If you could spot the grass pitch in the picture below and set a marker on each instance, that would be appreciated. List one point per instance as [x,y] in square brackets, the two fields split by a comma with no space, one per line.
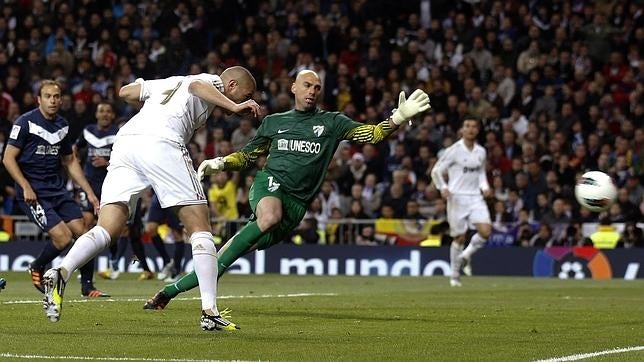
[289,318]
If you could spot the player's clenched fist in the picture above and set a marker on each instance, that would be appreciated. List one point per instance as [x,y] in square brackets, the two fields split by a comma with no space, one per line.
[208,167]
[417,103]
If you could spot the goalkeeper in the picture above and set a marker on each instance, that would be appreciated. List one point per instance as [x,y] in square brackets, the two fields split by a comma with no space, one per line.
[301,143]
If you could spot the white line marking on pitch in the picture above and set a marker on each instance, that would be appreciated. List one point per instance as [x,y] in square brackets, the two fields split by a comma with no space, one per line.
[86,300]
[29,356]
[577,357]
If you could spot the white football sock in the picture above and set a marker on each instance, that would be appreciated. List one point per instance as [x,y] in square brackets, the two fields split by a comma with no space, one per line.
[88,246]
[454,251]
[476,243]
[204,255]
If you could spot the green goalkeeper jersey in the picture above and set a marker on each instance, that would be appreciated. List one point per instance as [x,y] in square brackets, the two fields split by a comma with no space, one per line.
[300,145]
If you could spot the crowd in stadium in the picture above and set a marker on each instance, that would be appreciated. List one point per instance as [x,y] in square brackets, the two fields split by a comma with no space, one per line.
[558,86]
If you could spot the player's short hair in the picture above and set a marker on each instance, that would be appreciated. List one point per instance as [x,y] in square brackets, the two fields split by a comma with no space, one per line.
[48,82]
[469,117]
[107,103]
[240,74]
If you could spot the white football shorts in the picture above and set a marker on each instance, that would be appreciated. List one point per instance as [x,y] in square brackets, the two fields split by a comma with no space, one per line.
[138,161]
[463,211]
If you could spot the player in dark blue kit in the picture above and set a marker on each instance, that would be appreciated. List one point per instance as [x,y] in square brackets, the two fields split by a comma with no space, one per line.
[37,156]
[95,143]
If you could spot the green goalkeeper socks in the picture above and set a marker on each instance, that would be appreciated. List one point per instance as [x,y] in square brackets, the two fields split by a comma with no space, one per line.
[236,247]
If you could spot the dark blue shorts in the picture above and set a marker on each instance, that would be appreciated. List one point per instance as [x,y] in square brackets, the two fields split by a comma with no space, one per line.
[159,215]
[57,208]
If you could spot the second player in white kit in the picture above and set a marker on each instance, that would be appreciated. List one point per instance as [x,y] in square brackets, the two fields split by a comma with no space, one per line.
[464,164]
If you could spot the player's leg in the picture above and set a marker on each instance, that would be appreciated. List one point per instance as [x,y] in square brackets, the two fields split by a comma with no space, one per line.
[46,218]
[455,249]
[157,216]
[61,237]
[119,248]
[179,249]
[293,212]
[88,246]
[226,255]
[268,210]
[87,270]
[112,271]
[479,215]
[477,241]
[151,228]
[132,235]
[139,252]
[121,190]
[110,224]
[457,229]
[71,214]
[204,254]
[173,268]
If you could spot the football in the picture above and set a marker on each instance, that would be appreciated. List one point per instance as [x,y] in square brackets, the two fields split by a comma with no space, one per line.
[595,191]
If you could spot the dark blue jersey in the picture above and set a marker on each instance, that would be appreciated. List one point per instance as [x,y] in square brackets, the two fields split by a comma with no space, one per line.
[98,143]
[43,143]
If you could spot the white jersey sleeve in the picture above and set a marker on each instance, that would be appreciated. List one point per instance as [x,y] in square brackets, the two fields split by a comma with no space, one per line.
[484,185]
[440,167]
[170,111]
[465,170]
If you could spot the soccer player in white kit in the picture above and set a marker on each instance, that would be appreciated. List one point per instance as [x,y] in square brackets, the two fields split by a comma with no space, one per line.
[464,163]
[150,151]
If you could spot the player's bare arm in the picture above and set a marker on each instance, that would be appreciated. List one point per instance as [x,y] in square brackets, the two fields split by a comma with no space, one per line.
[209,93]
[10,161]
[73,167]
[131,93]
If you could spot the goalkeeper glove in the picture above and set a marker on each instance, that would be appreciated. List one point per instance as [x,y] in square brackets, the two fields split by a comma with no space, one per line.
[208,167]
[417,103]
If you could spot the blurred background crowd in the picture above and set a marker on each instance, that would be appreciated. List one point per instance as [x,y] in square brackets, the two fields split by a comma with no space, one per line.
[557,84]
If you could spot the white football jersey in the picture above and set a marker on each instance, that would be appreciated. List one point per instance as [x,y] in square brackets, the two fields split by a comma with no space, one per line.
[465,170]
[170,111]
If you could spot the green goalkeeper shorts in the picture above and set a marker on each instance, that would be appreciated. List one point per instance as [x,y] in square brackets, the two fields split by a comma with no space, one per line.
[293,210]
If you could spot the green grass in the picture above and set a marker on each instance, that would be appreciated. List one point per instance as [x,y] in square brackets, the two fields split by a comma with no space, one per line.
[347,318]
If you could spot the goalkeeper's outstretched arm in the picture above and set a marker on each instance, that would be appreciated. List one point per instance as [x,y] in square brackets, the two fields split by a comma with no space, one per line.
[369,133]
[241,159]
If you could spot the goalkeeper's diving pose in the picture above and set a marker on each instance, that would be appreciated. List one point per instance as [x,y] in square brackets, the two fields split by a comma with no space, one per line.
[300,144]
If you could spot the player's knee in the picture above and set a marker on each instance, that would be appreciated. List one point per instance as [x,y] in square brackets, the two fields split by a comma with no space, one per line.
[268,220]
[61,237]
[101,236]
[202,243]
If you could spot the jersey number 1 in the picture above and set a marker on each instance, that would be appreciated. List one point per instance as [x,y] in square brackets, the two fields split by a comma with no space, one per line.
[272,185]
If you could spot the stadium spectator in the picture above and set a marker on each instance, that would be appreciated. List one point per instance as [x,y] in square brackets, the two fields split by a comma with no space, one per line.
[606,236]
[631,237]
[586,61]
[543,238]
